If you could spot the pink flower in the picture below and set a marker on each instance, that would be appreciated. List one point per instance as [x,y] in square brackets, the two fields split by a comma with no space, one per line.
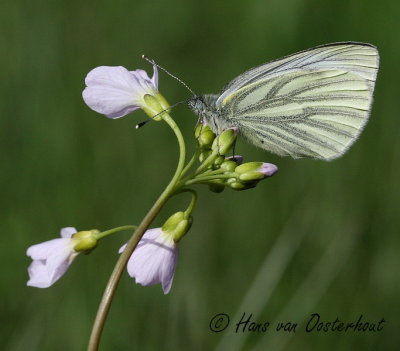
[154,259]
[51,259]
[115,92]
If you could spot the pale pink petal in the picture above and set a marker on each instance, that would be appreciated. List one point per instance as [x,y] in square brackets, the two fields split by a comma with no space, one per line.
[145,263]
[51,259]
[122,248]
[39,277]
[57,264]
[168,270]
[67,232]
[154,79]
[111,91]
[43,250]
[268,169]
[150,234]
[109,101]
[114,76]
[115,92]
[154,260]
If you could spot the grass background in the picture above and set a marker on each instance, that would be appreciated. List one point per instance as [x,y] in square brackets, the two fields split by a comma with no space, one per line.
[318,237]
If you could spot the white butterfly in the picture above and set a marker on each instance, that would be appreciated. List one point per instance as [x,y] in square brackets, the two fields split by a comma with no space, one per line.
[314,103]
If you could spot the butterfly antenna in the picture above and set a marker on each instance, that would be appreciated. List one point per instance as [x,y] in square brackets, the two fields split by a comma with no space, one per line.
[141,124]
[170,74]
[233,150]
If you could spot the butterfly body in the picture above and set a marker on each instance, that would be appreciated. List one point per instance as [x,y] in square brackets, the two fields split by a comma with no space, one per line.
[204,106]
[311,104]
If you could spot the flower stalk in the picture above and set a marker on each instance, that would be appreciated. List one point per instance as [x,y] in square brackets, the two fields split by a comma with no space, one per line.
[115,277]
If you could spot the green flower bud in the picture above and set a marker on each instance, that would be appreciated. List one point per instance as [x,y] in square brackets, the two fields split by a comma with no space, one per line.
[242,186]
[252,175]
[228,165]
[85,241]
[253,171]
[204,135]
[237,185]
[204,155]
[154,105]
[225,140]
[177,225]
[218,161]
[247,167]
[218,186]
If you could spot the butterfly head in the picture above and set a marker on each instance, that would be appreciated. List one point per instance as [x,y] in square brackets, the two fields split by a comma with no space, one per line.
[197,105]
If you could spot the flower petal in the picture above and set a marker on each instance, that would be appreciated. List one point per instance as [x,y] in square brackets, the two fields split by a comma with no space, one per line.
[112,91]
[58,264]
[43,250]
[122,248]
[168,270]
[154,79]
[154,260]
[144,263]
[268,169]
[67,232]
[39,277]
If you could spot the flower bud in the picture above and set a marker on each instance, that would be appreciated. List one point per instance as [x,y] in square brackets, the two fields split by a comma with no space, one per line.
[217,187]
[204,155]
[218,161]
[154,105]
[204,135]
[177,225]
[251,171]
[228,165]
[85,241]
[242,186]
[237,185]
[225,140]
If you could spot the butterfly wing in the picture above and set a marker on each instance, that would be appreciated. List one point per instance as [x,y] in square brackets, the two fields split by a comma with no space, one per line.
[310,104]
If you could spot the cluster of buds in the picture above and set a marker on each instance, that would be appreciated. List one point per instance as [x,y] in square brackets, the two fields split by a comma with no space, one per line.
[232,171]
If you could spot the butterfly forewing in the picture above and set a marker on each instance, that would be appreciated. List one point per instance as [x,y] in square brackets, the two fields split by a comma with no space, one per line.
[311,104]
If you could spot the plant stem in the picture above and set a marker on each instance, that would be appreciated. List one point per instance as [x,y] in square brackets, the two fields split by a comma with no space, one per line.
[114,230]
[112,284]
[207,162]
[190,163]
[193,201]
[207,178]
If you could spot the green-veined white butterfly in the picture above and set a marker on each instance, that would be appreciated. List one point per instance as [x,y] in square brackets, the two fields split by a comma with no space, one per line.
[314,103]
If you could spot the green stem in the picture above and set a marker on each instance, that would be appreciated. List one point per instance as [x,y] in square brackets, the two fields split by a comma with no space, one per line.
[207,162]
[211,172]
[190,163]
[112,284]
[204,179]
[193,201]
[114,230]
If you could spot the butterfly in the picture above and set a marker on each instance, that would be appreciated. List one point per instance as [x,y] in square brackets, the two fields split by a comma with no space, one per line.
[314,103]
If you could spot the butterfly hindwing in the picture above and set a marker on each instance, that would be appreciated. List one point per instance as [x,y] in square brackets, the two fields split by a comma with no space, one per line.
[310,104]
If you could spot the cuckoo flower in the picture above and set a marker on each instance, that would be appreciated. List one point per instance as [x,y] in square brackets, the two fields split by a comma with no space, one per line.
[154,259]
[52,258]
[115,91]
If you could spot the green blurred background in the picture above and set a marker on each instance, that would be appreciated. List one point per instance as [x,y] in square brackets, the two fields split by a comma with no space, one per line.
[318,237]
